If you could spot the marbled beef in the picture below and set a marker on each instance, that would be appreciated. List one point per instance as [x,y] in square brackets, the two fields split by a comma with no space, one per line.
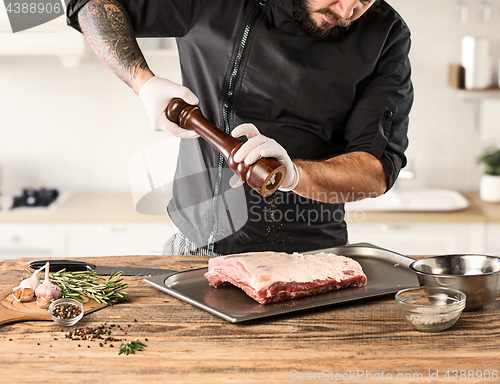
[269,277]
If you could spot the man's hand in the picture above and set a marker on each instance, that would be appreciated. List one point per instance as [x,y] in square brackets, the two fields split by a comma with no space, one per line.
[156,94]
[259,146]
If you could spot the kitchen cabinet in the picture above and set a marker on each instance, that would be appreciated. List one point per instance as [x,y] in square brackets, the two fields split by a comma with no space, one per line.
[56,38]
[104,224]
[65,240]
[107,239]
[26,240]
[53,38]
[421,238]
[83,224]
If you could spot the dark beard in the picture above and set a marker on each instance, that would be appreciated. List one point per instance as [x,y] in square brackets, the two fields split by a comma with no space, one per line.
[303,18]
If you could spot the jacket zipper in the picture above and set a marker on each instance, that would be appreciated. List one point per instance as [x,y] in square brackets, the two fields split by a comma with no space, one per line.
[227,127]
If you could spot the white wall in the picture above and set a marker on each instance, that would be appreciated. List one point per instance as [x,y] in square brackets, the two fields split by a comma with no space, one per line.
[73,129]
[77,129]
[443,139]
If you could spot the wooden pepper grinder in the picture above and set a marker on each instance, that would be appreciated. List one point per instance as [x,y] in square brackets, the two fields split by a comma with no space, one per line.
[265,175]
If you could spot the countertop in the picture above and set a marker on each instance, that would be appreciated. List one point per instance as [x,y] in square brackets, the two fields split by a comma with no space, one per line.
[358,342]
[477,211]
[84,207]
[119,207]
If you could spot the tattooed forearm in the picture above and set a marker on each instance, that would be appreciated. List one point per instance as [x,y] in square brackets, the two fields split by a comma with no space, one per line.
[107,28]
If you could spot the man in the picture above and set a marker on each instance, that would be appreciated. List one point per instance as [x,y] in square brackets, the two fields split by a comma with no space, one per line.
[323,82]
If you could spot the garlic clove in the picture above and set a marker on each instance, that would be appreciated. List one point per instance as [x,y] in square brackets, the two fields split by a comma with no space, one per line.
[23,294]
[42,302]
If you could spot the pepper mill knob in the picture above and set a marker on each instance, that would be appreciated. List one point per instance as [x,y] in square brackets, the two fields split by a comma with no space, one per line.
[265,175]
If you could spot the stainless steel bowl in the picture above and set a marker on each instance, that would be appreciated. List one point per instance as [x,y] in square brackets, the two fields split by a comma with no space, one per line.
[478,276]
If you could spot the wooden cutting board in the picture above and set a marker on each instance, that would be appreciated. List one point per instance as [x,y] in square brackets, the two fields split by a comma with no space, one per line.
[12,311]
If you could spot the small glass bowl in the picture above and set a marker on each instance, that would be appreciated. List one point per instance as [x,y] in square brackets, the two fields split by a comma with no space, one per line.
[430,309]
[57,311]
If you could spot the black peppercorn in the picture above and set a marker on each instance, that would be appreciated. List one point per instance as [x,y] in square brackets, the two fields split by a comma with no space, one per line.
[67,311]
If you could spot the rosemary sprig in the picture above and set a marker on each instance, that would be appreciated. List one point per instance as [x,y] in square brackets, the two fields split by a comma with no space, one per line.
[89,284]
[127,347]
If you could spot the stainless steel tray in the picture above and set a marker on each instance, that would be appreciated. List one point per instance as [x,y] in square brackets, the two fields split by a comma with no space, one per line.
[387,272]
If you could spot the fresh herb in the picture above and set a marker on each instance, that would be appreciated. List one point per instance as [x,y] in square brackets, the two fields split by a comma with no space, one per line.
[88,284]
[491,159]
[127,347]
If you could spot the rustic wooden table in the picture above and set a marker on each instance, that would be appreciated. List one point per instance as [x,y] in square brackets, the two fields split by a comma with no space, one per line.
[359,342]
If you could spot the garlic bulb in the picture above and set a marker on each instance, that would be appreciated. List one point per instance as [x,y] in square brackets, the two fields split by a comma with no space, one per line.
[47,290]
[26,288]
[33,281]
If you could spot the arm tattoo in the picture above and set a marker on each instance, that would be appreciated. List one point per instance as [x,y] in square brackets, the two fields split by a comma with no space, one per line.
[108,30]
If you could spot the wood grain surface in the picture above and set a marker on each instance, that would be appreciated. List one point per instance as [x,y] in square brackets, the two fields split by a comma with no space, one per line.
[361,342]
[12,311]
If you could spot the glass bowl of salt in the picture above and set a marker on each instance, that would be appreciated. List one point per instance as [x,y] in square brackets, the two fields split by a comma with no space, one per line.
[430,309]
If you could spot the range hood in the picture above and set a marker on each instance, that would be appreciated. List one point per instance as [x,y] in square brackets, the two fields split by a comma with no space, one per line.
[53,38]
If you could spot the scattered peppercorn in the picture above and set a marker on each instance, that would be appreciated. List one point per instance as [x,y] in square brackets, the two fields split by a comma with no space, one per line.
[101,333]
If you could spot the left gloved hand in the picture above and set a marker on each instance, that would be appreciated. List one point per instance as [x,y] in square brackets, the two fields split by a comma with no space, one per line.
[259,146]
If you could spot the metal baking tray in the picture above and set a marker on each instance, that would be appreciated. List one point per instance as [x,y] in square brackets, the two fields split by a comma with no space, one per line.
[387,272]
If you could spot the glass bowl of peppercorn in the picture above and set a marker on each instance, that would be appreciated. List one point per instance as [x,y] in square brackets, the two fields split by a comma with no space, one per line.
[66,312]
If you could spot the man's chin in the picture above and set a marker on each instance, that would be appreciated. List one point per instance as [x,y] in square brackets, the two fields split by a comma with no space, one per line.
[325,31]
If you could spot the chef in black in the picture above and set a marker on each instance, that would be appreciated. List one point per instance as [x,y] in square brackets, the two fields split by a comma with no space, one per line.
[322,85]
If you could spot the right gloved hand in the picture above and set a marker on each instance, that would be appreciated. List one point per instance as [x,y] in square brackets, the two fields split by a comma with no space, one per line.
[156,94]
[258,146]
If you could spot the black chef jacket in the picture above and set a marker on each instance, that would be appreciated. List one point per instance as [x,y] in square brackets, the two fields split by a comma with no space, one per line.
[248,62]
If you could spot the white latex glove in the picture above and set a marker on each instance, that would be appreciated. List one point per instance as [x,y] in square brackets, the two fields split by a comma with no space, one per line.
[259,146]
[156,94]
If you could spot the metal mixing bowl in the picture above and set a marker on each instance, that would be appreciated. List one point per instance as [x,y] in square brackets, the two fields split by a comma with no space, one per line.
[478,276]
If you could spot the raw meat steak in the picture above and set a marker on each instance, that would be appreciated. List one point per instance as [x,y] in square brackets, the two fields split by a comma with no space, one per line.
[269,277]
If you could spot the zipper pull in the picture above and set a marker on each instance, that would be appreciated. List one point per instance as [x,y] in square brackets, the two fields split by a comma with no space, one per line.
[211,243]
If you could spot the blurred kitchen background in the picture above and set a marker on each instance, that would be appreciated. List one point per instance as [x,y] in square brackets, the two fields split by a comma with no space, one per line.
[68,123]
